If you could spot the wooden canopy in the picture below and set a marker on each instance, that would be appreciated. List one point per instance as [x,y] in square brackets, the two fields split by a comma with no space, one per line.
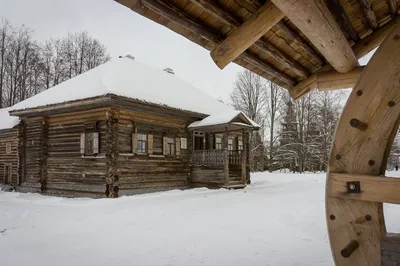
[298,44]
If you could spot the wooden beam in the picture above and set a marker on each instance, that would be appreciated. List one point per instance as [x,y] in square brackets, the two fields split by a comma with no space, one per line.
[317,23]
[373,188]
[247,34]
[336,8]
[292,35]
[300,42]
[369,43]
[393,7]
[184,20]
[327,80]
[369,13]
[362,48]
[212,8]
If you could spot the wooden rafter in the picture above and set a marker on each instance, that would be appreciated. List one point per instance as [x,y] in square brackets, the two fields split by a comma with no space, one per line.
[314,19]
[263,45]
[246,35]
[369,43]
[300,42]
[393,7]
[369,13]
[336,8]
[184,20]
[327,80]
[290,34]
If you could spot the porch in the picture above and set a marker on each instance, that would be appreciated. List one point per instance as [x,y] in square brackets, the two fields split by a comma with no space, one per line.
[224,167]
[220,150]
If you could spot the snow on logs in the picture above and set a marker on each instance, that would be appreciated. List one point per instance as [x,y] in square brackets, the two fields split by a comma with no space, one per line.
[314,19]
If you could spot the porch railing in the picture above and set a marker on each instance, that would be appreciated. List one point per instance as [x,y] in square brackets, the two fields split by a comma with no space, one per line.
[234,157]
[205,157]
[215,157]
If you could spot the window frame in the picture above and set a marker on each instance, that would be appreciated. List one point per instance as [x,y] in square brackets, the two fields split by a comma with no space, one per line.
[142,142]
[8,147]
[218,145]
[171,149]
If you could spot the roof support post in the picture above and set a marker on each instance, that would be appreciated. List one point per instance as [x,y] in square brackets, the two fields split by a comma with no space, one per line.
[226,156]
[313,18]
[243,157]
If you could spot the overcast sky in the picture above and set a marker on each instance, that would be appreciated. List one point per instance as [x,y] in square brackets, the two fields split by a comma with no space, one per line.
[123,32]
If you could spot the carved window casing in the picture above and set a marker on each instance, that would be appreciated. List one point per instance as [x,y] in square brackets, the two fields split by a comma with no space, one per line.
[8,147]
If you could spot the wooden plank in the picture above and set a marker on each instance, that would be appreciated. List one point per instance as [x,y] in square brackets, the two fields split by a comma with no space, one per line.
[393,7]
[369,13]
[369,43]
[390,249]
[373,188]
[184,20]
[263,45]
[336,8]
[247,34]
[363,152]
[317,23]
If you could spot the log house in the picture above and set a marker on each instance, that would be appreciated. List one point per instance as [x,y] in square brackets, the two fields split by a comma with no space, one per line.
[105,134]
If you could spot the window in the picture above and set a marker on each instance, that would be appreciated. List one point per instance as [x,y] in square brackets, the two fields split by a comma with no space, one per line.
[8,147]
[240,144]
[90,143]
[218,143]
[230,144]
[171,146]
[141,143]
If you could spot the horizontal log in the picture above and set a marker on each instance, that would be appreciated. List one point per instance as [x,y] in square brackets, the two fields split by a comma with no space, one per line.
[172,13]
[369,43]
[317,23]
[373,188]
[328,80]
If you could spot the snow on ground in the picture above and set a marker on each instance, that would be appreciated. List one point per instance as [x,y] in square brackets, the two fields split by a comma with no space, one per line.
[278,220]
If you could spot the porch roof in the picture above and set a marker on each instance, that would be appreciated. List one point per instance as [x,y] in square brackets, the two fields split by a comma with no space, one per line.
[231,119]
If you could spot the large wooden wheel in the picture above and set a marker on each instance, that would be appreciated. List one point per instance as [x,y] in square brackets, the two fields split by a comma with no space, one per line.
[356,185]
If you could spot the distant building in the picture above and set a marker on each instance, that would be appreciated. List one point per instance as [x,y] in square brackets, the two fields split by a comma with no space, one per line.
[123,128]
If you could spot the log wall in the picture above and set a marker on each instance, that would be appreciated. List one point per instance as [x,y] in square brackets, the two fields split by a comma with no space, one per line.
[150,172]
[9,136]
[209,176]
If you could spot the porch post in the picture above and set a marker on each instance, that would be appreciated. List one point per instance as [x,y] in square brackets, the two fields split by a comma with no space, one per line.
[226,157]
[243,157]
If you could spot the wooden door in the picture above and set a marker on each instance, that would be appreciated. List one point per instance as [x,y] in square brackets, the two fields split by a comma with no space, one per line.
[7,174]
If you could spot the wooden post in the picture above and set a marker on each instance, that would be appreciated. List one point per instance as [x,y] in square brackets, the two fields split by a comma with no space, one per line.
[112,176]
[226,156]
[21,151]
[43,154]
[243,157]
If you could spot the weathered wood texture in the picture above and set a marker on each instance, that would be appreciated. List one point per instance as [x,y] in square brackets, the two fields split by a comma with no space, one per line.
[390,249]
[207,175]
[9,137]
[284,54]
[146,171]
[374,102]
[316,22]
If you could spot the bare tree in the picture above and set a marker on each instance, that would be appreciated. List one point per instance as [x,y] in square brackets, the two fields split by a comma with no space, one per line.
[249,95]
[27,68]
[275,100]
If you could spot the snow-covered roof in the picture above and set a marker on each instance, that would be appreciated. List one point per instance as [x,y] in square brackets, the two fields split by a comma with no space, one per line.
[227,117]
[129,78]
[7,121]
